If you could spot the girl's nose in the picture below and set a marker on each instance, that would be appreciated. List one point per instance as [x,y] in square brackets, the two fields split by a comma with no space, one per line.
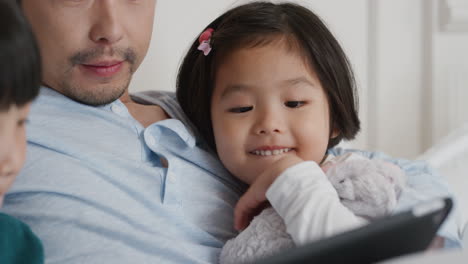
[269,123]
[268,130]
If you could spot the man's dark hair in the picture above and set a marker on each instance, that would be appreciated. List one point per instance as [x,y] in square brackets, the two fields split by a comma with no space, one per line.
[20,64]
[259,24]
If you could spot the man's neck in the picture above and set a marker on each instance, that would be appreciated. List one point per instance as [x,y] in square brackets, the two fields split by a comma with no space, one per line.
[125,98]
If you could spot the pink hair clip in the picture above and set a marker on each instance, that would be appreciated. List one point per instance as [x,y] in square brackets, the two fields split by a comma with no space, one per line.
[204,41]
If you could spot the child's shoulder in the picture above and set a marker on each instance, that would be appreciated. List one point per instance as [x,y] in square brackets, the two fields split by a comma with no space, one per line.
[18,243]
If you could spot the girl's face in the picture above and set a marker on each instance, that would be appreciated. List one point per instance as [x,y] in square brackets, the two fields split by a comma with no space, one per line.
[12,145]
[267,103]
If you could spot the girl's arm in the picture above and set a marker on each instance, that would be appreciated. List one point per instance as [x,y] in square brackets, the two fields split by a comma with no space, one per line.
[303,197]
[309,204]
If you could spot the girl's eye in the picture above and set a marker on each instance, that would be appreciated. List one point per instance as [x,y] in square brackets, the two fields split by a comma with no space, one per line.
[241,109]
[294,104]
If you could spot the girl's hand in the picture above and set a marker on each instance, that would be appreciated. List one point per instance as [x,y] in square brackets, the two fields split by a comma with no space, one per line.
[437,243]
[254,199]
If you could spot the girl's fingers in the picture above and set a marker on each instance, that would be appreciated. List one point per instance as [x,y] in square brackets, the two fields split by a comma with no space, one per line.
[249,205]
[244,210]
[254,200]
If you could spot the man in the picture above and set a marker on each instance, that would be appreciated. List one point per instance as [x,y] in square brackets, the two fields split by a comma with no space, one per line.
[103,182]
[96,186]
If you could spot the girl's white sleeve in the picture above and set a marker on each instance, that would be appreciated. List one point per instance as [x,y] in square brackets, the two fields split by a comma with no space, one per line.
[309,205]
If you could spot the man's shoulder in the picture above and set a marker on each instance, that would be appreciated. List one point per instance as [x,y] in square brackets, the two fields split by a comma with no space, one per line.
[154,97]
[167,101]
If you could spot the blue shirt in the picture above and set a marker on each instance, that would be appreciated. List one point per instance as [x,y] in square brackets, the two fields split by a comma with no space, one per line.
[94,188]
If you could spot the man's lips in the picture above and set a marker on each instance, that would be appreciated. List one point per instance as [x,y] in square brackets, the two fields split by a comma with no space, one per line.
[103,68]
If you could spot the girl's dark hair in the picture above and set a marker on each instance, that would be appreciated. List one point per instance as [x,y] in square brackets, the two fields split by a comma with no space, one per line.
[259,24]
[20,65]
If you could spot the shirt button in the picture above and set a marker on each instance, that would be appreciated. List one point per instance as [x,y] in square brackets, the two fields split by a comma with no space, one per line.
[170,179]
[117,109]
[151,141]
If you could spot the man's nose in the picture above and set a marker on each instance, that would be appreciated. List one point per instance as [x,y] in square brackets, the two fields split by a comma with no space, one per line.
[107,27]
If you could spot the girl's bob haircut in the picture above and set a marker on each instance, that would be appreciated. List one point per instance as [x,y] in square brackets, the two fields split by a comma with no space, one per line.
[259,24]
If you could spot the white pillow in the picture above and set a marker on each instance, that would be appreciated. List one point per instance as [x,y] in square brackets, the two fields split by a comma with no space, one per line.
[450,157]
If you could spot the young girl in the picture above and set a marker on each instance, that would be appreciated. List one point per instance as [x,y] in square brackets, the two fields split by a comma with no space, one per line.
[271,90]
[275,90]
[19,85]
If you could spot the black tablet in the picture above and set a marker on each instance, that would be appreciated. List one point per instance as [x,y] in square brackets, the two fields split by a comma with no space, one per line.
[392,236]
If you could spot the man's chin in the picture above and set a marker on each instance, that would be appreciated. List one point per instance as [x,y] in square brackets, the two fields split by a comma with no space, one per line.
[96,97]
[94,94]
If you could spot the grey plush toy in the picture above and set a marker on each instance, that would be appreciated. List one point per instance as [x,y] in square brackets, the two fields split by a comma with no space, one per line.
[369,188]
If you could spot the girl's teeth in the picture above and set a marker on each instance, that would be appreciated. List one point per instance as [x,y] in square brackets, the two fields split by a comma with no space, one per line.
[271,152]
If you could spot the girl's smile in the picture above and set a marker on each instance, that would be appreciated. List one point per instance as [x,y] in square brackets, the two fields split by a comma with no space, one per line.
[269,151]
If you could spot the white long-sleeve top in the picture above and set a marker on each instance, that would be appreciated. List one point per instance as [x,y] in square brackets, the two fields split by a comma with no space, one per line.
[309,205]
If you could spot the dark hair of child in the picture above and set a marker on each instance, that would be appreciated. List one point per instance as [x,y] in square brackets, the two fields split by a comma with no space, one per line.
[20,65]
[259,24]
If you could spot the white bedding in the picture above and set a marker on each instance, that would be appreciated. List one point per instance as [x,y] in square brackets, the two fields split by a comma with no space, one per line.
[450,158]
[453,256]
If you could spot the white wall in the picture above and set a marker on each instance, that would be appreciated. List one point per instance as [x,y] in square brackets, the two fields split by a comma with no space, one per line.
[178,23]
[449,66]
[410,59]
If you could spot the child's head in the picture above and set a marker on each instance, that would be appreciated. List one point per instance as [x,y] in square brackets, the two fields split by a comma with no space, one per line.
[19,85]
[276,82]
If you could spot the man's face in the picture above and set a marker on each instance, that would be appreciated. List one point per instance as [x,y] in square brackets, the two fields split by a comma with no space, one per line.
[91,48]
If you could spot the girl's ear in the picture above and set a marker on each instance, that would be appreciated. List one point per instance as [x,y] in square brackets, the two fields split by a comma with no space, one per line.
[335,132]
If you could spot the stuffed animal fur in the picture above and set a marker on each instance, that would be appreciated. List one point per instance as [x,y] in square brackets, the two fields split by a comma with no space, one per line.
[369,188]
